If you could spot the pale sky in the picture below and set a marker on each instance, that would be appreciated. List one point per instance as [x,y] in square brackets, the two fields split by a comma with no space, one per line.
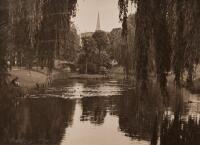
[87,11]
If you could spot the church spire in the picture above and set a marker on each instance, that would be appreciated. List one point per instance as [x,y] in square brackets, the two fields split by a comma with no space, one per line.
[98,27]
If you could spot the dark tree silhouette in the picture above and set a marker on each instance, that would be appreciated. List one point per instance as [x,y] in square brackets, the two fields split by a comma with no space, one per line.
[3,40]
[174,27]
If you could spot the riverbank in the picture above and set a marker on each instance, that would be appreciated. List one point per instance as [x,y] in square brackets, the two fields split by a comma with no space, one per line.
[27,78]
[86,76]
[115,73]
[196,88]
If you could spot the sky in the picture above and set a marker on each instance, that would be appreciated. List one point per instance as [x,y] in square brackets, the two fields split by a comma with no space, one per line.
[87,12]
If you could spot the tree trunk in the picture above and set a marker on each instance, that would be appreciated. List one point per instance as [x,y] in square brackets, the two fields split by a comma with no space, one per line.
[86,66]
[190,78]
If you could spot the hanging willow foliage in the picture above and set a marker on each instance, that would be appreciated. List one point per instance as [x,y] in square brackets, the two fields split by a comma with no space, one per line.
[191,34]
[142,42]
[161,42]
[72,8]
[123,15]
[142,37]
[24,23]
[54,29]
[39,27]
[179,50]
[173,25]
[3,41]
[185,37]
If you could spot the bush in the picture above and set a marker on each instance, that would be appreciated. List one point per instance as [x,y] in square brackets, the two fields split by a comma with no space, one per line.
[92,68]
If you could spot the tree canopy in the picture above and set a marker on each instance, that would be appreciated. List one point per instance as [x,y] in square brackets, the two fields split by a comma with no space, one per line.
[88,57]
[3,40]
[171,27]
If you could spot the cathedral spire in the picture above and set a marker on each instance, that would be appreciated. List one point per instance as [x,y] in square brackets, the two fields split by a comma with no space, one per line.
[98,27]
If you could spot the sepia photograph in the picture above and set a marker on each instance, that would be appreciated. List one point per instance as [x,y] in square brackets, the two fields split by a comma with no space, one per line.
[99,72]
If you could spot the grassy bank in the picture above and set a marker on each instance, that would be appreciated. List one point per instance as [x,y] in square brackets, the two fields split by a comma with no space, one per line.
[28,79]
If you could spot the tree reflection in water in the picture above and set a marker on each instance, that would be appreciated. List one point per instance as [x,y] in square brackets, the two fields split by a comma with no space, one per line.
[178,127]
[179,131]
[94,109]
[44,120]
[145,119]
[136,116]
[35,121]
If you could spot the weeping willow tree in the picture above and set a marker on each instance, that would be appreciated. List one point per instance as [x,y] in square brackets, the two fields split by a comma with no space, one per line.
[172,26]
[3,40]
[18,30]
[24,22]
[191,33]
[54,29]
[160,34]
[34,28]
[142,37]
[123,4]
[184,37]
[179,49]
[39,28]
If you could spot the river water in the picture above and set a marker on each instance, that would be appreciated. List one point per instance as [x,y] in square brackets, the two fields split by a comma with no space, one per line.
[100,113]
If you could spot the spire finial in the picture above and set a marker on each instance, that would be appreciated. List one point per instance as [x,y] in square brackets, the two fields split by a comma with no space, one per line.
[98,27]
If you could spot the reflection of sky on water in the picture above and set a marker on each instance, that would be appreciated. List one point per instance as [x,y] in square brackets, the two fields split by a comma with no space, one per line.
[81,89]
[193,106]
[190,106]
[85,133]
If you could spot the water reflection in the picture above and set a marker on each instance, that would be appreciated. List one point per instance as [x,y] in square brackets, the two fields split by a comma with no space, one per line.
[35,121]
[179,131]
[86,88]
[98,113]
[182,126]
[136,117]
[94,109]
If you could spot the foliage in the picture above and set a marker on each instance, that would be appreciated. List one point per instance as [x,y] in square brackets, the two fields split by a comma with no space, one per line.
[3,41]
[126,30]
[125,57]
[102,42]
[161,42]
[88,57]
[142,43]
[130,54]
[24,21]
[183,25]
[71,50]
[39,28]
[115,44]
[105,59]
[171,28]
[34,28]
[123,15]
[53,33]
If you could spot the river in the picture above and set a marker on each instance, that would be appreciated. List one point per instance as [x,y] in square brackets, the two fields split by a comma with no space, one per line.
[100,113]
